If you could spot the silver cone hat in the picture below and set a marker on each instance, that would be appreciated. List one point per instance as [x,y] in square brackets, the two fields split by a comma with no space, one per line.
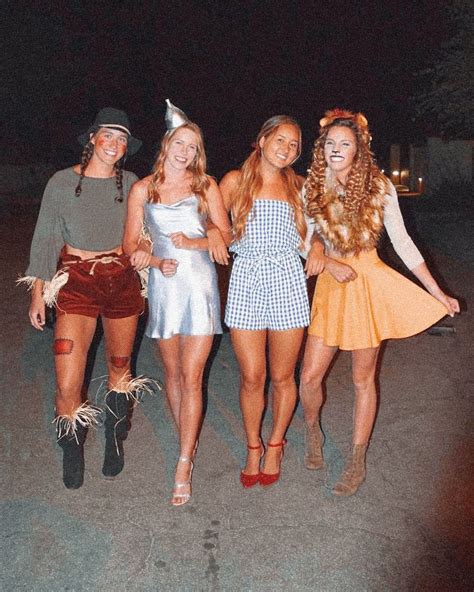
[174,117]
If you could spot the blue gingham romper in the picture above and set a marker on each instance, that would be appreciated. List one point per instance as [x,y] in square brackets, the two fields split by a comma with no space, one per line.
[267,288]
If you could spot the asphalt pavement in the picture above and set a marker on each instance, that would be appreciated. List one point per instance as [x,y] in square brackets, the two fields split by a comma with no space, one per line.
[408,528]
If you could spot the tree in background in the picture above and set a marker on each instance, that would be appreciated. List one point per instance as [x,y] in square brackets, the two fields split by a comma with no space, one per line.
[446,103]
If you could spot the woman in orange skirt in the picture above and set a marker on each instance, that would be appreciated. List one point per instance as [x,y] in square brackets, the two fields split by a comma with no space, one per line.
[359,301]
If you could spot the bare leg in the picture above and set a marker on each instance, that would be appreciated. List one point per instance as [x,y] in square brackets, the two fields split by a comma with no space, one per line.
[73,335]
[284,347]
[193,352]
[119,337]
[364,364]
[169,350]
[316,361]
[249,348]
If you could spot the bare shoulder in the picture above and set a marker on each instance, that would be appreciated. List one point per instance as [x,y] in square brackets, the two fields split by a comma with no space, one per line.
[230,180]
[212,183]
[139,191]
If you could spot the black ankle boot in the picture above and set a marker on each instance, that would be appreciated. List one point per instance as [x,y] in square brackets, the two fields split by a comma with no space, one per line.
[71,430]
[116,431]
[73,457]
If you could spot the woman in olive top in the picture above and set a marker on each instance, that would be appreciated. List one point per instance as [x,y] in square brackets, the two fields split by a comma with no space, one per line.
[77,264]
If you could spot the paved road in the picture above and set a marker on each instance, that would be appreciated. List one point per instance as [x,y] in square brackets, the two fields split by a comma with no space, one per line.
[409,527]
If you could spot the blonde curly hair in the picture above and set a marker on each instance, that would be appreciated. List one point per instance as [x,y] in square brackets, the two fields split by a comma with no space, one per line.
[364,181]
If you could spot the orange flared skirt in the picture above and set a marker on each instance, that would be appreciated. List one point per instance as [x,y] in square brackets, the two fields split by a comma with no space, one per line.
[379,304]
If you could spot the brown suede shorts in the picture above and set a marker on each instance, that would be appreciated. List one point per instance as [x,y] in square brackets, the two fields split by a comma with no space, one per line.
[106,285]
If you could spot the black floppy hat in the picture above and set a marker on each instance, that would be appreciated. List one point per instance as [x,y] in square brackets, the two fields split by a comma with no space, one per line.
[115,119]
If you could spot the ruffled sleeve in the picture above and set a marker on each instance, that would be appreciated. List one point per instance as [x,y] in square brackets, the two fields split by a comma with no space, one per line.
[47,239]
[399,237]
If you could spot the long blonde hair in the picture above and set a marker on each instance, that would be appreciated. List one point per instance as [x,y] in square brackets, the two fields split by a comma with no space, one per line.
[364,181]
[200,182]
[250,181]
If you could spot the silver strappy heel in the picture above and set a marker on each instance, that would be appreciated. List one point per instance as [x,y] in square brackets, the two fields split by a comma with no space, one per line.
[179,499]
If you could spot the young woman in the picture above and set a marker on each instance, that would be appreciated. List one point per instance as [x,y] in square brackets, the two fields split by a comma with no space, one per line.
[175,202]
[267,303]
[359,301]
[79,231]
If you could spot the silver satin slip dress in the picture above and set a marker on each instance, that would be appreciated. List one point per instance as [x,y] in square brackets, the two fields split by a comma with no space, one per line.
[188,302]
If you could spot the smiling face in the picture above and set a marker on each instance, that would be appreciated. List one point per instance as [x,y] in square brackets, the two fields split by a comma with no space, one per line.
[182,148]
[282,146]
[110,145]
[340,149]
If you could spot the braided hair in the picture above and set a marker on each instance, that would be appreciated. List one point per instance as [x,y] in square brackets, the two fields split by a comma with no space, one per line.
[85,158]
[118,167]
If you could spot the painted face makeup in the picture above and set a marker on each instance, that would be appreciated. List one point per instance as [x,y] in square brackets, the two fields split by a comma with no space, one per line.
[110,145]
[339,150]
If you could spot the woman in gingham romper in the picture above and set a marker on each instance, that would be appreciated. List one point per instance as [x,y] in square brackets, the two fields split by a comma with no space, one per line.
[267,300]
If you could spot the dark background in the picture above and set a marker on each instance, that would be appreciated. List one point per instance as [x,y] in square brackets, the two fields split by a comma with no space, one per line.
[228,64]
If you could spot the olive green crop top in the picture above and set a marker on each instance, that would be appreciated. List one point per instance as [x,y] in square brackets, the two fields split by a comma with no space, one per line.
[94,221]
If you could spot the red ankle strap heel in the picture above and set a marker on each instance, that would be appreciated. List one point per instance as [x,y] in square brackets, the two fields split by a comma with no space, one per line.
[248,481]
[267,479]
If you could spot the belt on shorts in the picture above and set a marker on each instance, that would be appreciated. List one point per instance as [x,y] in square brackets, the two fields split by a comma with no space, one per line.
[105,260]
[277,260]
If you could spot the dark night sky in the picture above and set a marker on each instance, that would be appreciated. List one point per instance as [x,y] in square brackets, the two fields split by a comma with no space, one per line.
[229,64]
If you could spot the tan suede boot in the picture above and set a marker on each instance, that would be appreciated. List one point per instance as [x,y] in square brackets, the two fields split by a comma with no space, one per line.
[314,439]
[354,473]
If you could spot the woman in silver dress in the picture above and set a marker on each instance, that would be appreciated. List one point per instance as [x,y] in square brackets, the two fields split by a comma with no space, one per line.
[175,202]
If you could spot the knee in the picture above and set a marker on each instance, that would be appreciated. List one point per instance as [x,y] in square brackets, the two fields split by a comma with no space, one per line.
[190,380]
[119,368]
[119,363]
[252,381]
[63,346]
[363,381]
[283,381]
[310,377]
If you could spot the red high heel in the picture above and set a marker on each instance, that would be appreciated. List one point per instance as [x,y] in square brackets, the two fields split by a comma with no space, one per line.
[251,480]
[267,479]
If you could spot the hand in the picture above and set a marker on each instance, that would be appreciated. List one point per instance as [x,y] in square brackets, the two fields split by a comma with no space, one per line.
[216,246]
[140,259]
[180,240]
[168,267]
[316,260]
[340,271]
[37,311]
[450,303]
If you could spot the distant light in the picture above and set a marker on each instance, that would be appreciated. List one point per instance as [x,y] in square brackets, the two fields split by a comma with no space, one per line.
[383,171]
[420,179]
